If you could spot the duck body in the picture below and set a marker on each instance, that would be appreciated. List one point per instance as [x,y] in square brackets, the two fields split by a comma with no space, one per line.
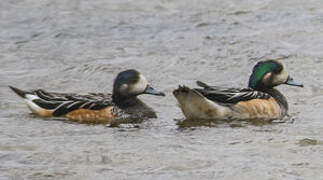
[230,104]
[260,101]
[121,106]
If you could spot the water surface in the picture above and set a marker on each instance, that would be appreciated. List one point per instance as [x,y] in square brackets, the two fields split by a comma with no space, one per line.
[80,46]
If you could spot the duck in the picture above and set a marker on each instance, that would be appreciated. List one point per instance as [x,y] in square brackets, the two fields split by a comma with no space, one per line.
[120,106]
[259,101]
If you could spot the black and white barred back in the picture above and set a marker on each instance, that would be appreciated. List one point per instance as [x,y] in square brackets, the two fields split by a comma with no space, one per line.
[230,95]
[63,103]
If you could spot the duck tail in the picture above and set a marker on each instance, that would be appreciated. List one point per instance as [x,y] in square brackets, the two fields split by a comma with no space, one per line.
[19,92]
[196,106]
[202,84]
[33,102]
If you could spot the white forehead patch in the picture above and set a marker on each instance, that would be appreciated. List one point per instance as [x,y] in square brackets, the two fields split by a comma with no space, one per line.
[139,86]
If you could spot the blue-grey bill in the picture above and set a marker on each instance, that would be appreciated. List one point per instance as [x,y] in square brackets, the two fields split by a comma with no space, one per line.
[151,90]
[290,81]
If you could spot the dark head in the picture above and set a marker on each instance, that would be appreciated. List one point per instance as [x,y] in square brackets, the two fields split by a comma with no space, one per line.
[270,73]
[131,83]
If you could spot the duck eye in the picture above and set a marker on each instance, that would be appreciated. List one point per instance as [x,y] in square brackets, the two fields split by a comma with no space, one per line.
[130,81]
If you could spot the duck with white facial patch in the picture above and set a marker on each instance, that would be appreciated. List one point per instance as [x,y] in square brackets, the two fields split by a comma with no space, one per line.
[259,101]
[122,106]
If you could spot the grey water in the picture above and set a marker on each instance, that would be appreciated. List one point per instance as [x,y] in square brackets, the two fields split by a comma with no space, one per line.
[80,46]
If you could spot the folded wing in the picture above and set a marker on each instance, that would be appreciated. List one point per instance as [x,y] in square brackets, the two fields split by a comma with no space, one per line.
[230,95]
[57,104]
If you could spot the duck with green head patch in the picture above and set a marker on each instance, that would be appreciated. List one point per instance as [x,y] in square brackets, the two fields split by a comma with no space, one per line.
[122,106]
[259,101]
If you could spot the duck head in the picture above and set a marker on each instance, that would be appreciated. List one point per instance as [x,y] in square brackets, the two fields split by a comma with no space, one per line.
[131,83]
[268,74]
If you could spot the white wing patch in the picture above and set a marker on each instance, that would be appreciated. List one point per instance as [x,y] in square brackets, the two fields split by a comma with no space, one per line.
[31,97]
[31,105]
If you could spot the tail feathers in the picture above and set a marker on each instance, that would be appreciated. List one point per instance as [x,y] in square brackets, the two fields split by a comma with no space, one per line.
[33,102]
[202,84]
[19,92]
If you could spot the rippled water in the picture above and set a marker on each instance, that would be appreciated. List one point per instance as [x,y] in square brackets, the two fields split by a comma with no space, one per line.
[79,46]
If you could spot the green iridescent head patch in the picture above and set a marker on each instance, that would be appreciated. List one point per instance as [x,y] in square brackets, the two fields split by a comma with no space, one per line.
[262,68]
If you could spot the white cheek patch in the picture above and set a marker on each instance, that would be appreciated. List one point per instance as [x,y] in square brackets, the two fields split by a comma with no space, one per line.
[281,77]
[140,86]
[266,77]
[123,89]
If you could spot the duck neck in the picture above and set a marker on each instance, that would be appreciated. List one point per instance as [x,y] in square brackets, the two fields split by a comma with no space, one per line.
[124,101]
[279,97]
[133,105]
